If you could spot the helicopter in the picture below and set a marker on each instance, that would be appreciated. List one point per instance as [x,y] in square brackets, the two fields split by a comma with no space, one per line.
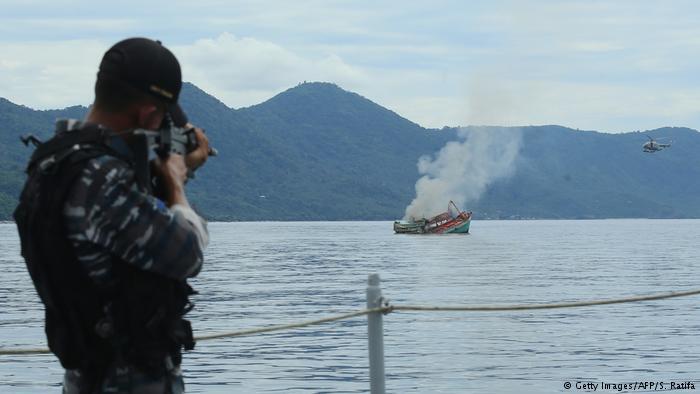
[653,146]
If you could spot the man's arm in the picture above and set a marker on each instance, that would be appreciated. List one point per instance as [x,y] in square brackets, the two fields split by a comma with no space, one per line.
[172,171]
[105,213]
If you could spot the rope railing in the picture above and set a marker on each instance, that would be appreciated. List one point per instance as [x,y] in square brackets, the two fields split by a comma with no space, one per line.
[282,327]
[388,308]
[524,307]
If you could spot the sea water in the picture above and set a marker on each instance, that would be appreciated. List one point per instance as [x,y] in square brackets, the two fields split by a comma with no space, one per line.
[269,273]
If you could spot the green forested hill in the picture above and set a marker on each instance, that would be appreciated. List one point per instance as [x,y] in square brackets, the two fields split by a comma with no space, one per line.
[312,152]
[562,173]
[18,120]
[317,152]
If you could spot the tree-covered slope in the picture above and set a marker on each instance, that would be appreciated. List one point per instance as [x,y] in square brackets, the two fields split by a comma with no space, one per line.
[17,120]
[344,154]
[564,173]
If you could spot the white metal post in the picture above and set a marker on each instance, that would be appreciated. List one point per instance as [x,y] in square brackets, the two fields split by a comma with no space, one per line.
[375,331]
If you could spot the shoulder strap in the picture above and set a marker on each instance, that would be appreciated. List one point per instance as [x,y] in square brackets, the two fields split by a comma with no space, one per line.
[64,144]
[73,140]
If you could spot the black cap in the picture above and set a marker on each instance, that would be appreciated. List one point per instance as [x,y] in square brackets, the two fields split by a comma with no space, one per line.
[148,66]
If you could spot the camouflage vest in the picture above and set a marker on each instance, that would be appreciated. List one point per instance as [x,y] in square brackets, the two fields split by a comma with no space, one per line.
[139,321]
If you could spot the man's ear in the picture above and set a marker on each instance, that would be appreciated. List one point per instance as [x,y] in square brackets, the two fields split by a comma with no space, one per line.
[150,116]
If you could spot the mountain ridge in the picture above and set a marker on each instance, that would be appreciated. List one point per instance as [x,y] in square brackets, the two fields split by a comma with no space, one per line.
[318,152]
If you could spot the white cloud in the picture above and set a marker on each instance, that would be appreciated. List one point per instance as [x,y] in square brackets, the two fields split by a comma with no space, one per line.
[239,71]
[50,74]
[596,46]
[245,71]
[603,107]
[68,24]
[587,64]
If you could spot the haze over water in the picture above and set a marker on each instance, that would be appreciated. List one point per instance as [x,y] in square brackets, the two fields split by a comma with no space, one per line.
[267,273]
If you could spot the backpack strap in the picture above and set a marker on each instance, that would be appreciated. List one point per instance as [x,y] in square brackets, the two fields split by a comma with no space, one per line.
[65,143]
[74,138]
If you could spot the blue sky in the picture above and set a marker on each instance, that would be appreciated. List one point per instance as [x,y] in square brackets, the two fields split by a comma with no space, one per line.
[609,66]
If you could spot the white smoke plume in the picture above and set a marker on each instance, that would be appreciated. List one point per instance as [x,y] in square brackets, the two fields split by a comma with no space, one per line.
[462,170]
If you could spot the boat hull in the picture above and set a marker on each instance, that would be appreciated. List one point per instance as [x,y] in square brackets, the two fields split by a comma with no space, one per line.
[460,229]
[419,227]
[444,223]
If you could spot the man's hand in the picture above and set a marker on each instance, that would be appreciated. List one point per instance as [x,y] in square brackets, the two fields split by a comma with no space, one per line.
[197,157]
[172,172]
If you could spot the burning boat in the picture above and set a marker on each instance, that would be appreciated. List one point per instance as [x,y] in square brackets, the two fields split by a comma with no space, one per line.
[451,221]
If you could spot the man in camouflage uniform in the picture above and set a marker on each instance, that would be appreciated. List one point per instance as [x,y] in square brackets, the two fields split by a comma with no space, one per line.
[121,234]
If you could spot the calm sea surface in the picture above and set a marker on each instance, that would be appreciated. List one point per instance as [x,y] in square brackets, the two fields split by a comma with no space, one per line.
[269,273]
